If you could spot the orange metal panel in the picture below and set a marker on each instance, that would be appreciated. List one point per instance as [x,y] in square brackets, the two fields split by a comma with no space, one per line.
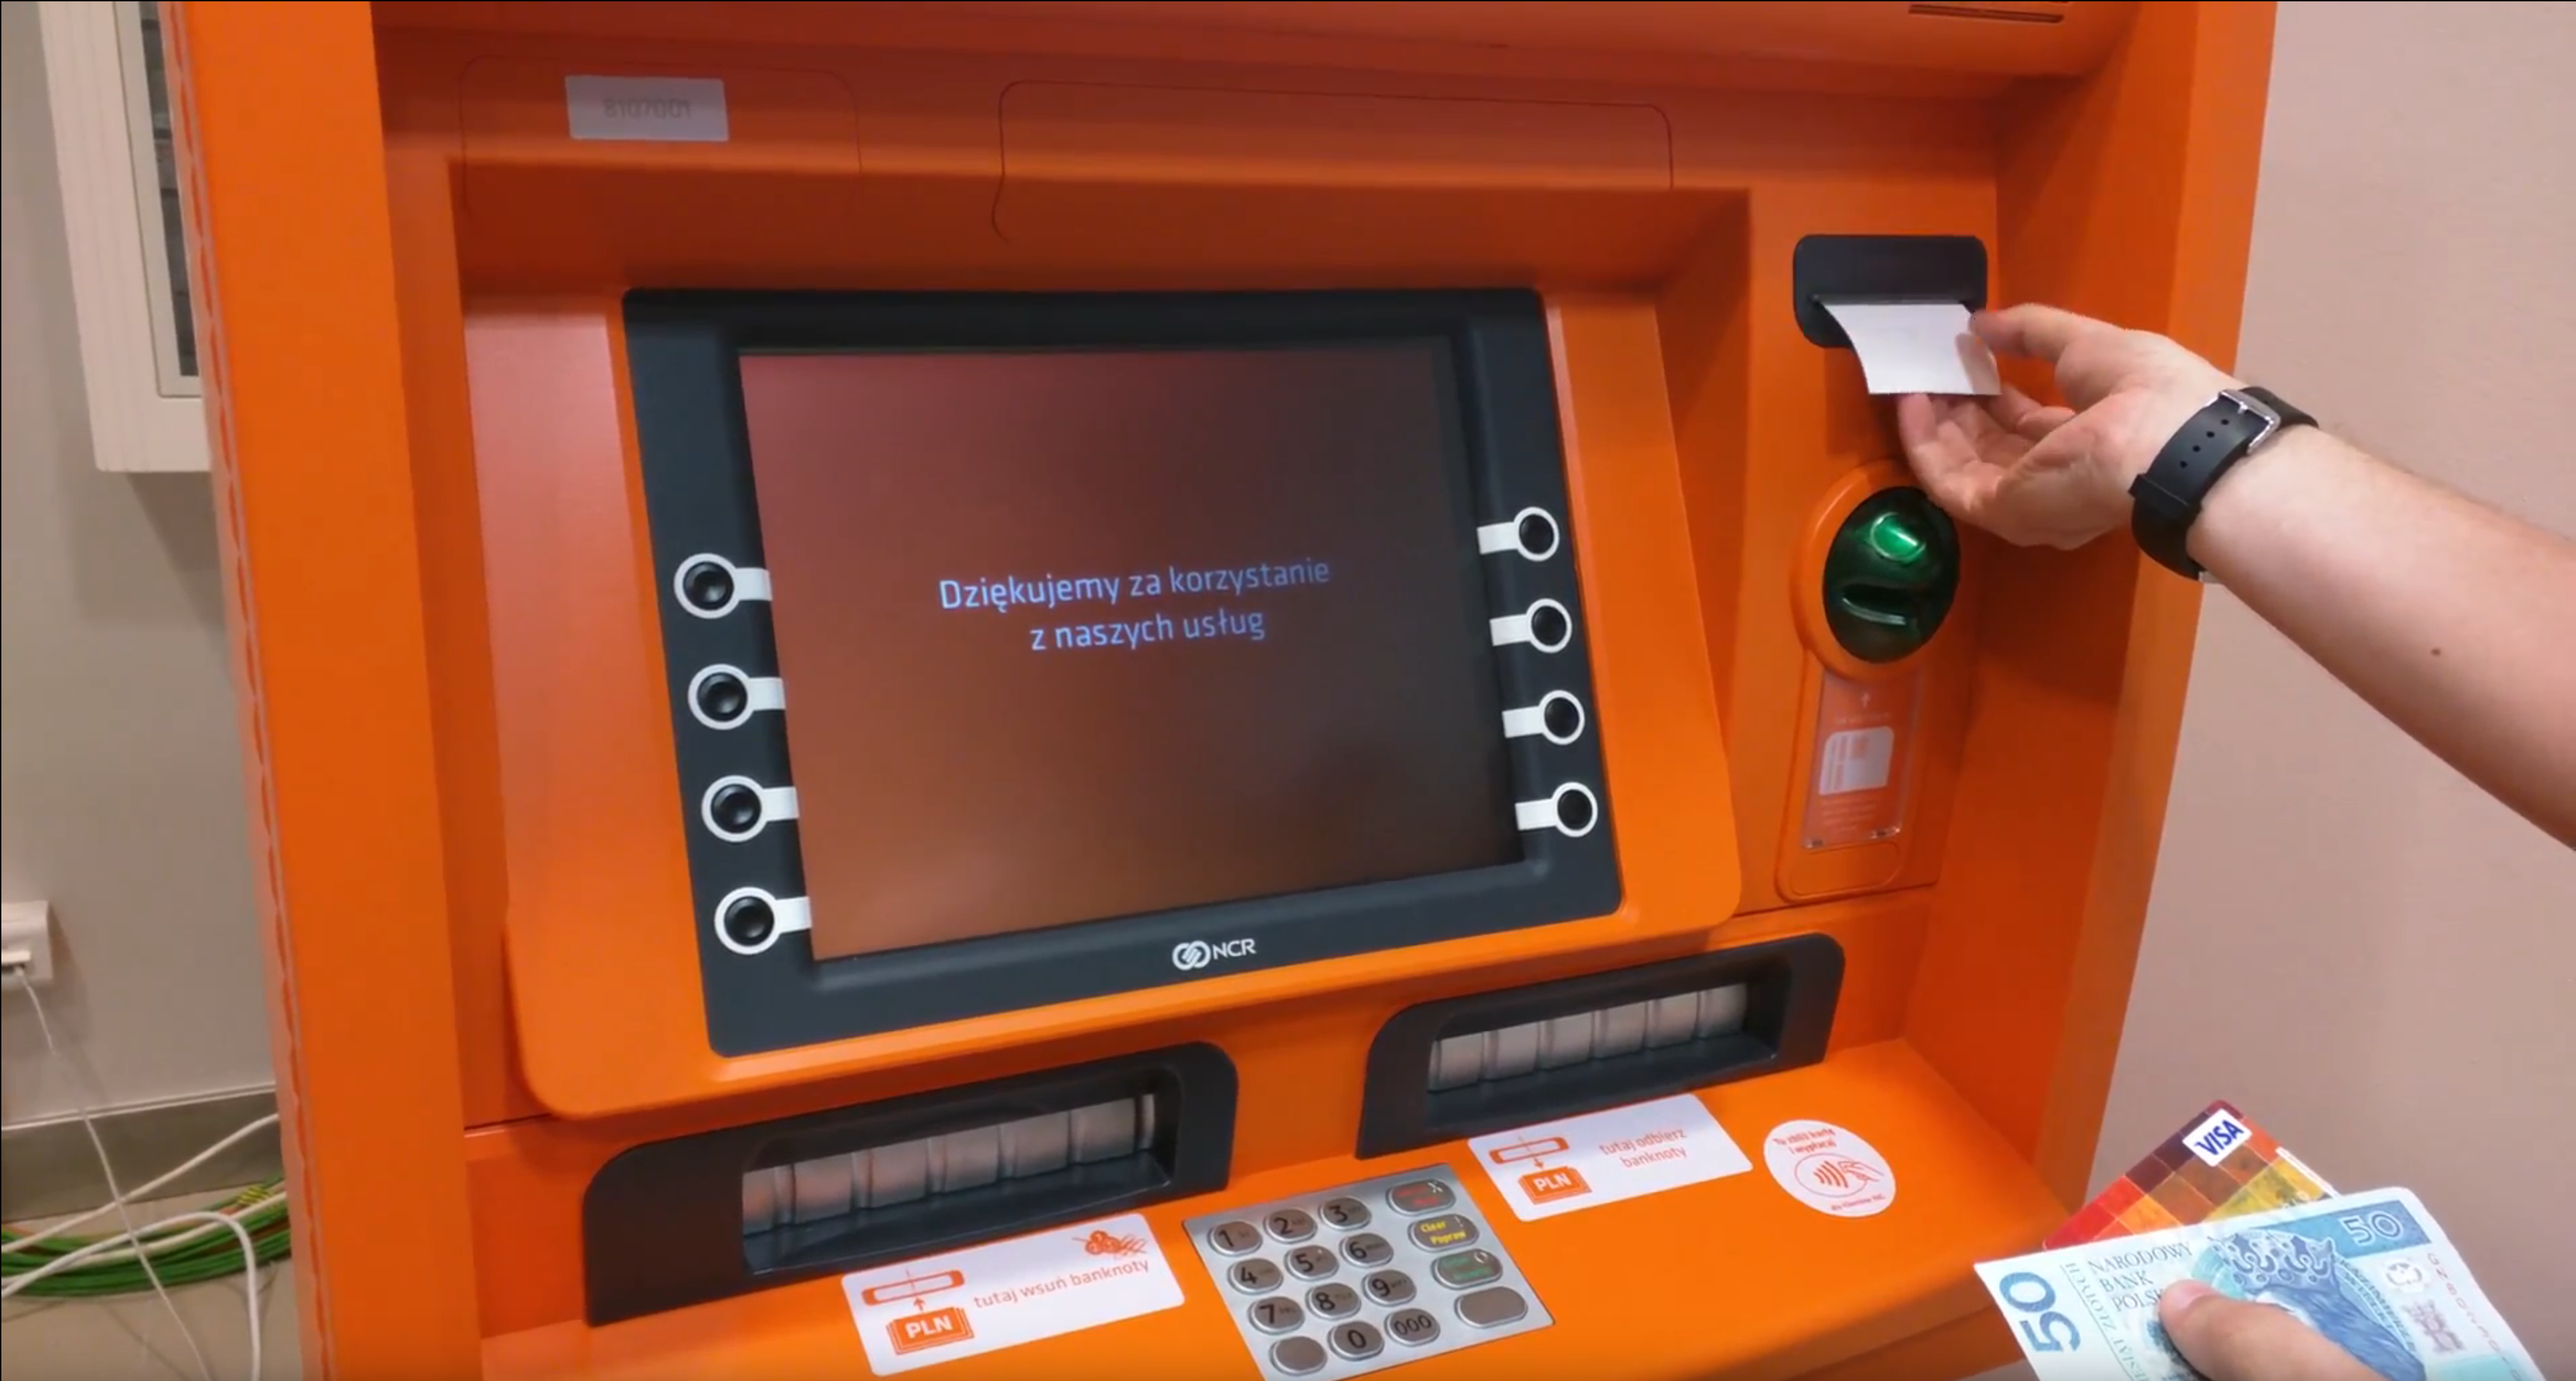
[274,109]
[1748,1283]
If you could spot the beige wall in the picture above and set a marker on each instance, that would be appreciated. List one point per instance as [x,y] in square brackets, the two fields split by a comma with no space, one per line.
[2370,957]
[121,798]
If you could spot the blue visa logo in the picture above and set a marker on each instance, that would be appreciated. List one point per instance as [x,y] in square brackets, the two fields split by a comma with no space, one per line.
[2216,1136]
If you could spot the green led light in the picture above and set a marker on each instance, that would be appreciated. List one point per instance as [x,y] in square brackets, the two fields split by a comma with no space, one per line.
[1893,541]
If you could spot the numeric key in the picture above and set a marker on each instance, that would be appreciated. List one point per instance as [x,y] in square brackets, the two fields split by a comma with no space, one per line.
[1356,1341]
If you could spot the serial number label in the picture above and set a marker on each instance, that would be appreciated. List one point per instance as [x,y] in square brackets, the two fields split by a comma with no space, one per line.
[671,110]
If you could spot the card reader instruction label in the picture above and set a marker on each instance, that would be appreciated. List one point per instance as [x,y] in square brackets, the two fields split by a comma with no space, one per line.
[1604,1157]
[983,1299]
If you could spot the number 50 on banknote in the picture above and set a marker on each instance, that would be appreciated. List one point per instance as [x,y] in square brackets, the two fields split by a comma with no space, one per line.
[2372,1271]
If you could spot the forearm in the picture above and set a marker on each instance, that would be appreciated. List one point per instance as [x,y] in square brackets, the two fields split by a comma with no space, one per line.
[2456,622]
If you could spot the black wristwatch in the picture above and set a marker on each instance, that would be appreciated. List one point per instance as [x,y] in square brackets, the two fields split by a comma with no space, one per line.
[2167,498]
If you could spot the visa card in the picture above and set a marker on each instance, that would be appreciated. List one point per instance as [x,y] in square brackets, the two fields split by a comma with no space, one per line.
[2220,1165]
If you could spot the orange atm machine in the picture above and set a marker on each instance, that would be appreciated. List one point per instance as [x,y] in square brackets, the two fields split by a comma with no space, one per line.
[1173,689]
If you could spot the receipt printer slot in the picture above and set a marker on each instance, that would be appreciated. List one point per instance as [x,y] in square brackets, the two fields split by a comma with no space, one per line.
[1882,268]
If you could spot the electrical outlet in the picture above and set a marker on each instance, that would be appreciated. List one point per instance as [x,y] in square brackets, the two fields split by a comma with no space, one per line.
[29,926]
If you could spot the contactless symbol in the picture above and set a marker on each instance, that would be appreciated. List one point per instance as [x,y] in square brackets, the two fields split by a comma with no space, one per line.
[1835,1176]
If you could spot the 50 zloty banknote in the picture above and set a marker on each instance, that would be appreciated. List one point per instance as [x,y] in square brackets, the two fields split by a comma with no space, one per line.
[2371,1271]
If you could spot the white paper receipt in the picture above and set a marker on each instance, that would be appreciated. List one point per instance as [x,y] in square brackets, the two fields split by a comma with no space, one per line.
[983,1299]
[1917,347]
[1603,1157]
[662,110]
[1829,1169]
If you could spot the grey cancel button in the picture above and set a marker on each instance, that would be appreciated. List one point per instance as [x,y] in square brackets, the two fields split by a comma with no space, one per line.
[673,110]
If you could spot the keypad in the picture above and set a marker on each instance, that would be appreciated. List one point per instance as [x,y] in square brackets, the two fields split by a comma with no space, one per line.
[1356,1278]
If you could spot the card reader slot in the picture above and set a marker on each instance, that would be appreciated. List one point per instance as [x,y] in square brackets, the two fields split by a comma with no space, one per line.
[1468,1065]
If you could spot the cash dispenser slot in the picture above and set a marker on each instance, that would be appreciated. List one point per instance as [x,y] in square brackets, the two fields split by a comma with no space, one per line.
[702,1217]
[1469,1065]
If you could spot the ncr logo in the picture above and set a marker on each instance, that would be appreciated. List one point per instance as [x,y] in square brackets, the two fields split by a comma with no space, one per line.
[1198,954]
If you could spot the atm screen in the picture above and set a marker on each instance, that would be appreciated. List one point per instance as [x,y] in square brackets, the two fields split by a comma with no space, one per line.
[1077,634]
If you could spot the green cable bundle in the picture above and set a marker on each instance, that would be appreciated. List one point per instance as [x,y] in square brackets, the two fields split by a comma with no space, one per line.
[208,1253]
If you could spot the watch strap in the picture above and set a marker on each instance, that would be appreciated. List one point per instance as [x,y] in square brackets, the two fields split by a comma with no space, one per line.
[2166,500]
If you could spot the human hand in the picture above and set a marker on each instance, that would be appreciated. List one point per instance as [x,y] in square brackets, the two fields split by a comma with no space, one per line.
[2056,476]
[2232,1340]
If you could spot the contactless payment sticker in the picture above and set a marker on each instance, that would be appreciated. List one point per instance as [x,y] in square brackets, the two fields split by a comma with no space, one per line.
[1603,1157]
[1829,1169]
[960,1304]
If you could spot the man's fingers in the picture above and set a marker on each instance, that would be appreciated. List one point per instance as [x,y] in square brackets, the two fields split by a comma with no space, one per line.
[2230,1340]
[2028,419]
[1944,452]
[2043,333]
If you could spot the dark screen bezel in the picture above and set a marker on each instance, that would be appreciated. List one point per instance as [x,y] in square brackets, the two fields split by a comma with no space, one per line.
[683,351]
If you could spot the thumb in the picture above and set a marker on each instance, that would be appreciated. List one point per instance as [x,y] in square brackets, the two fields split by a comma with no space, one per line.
[2043,333]
[2232,1340]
